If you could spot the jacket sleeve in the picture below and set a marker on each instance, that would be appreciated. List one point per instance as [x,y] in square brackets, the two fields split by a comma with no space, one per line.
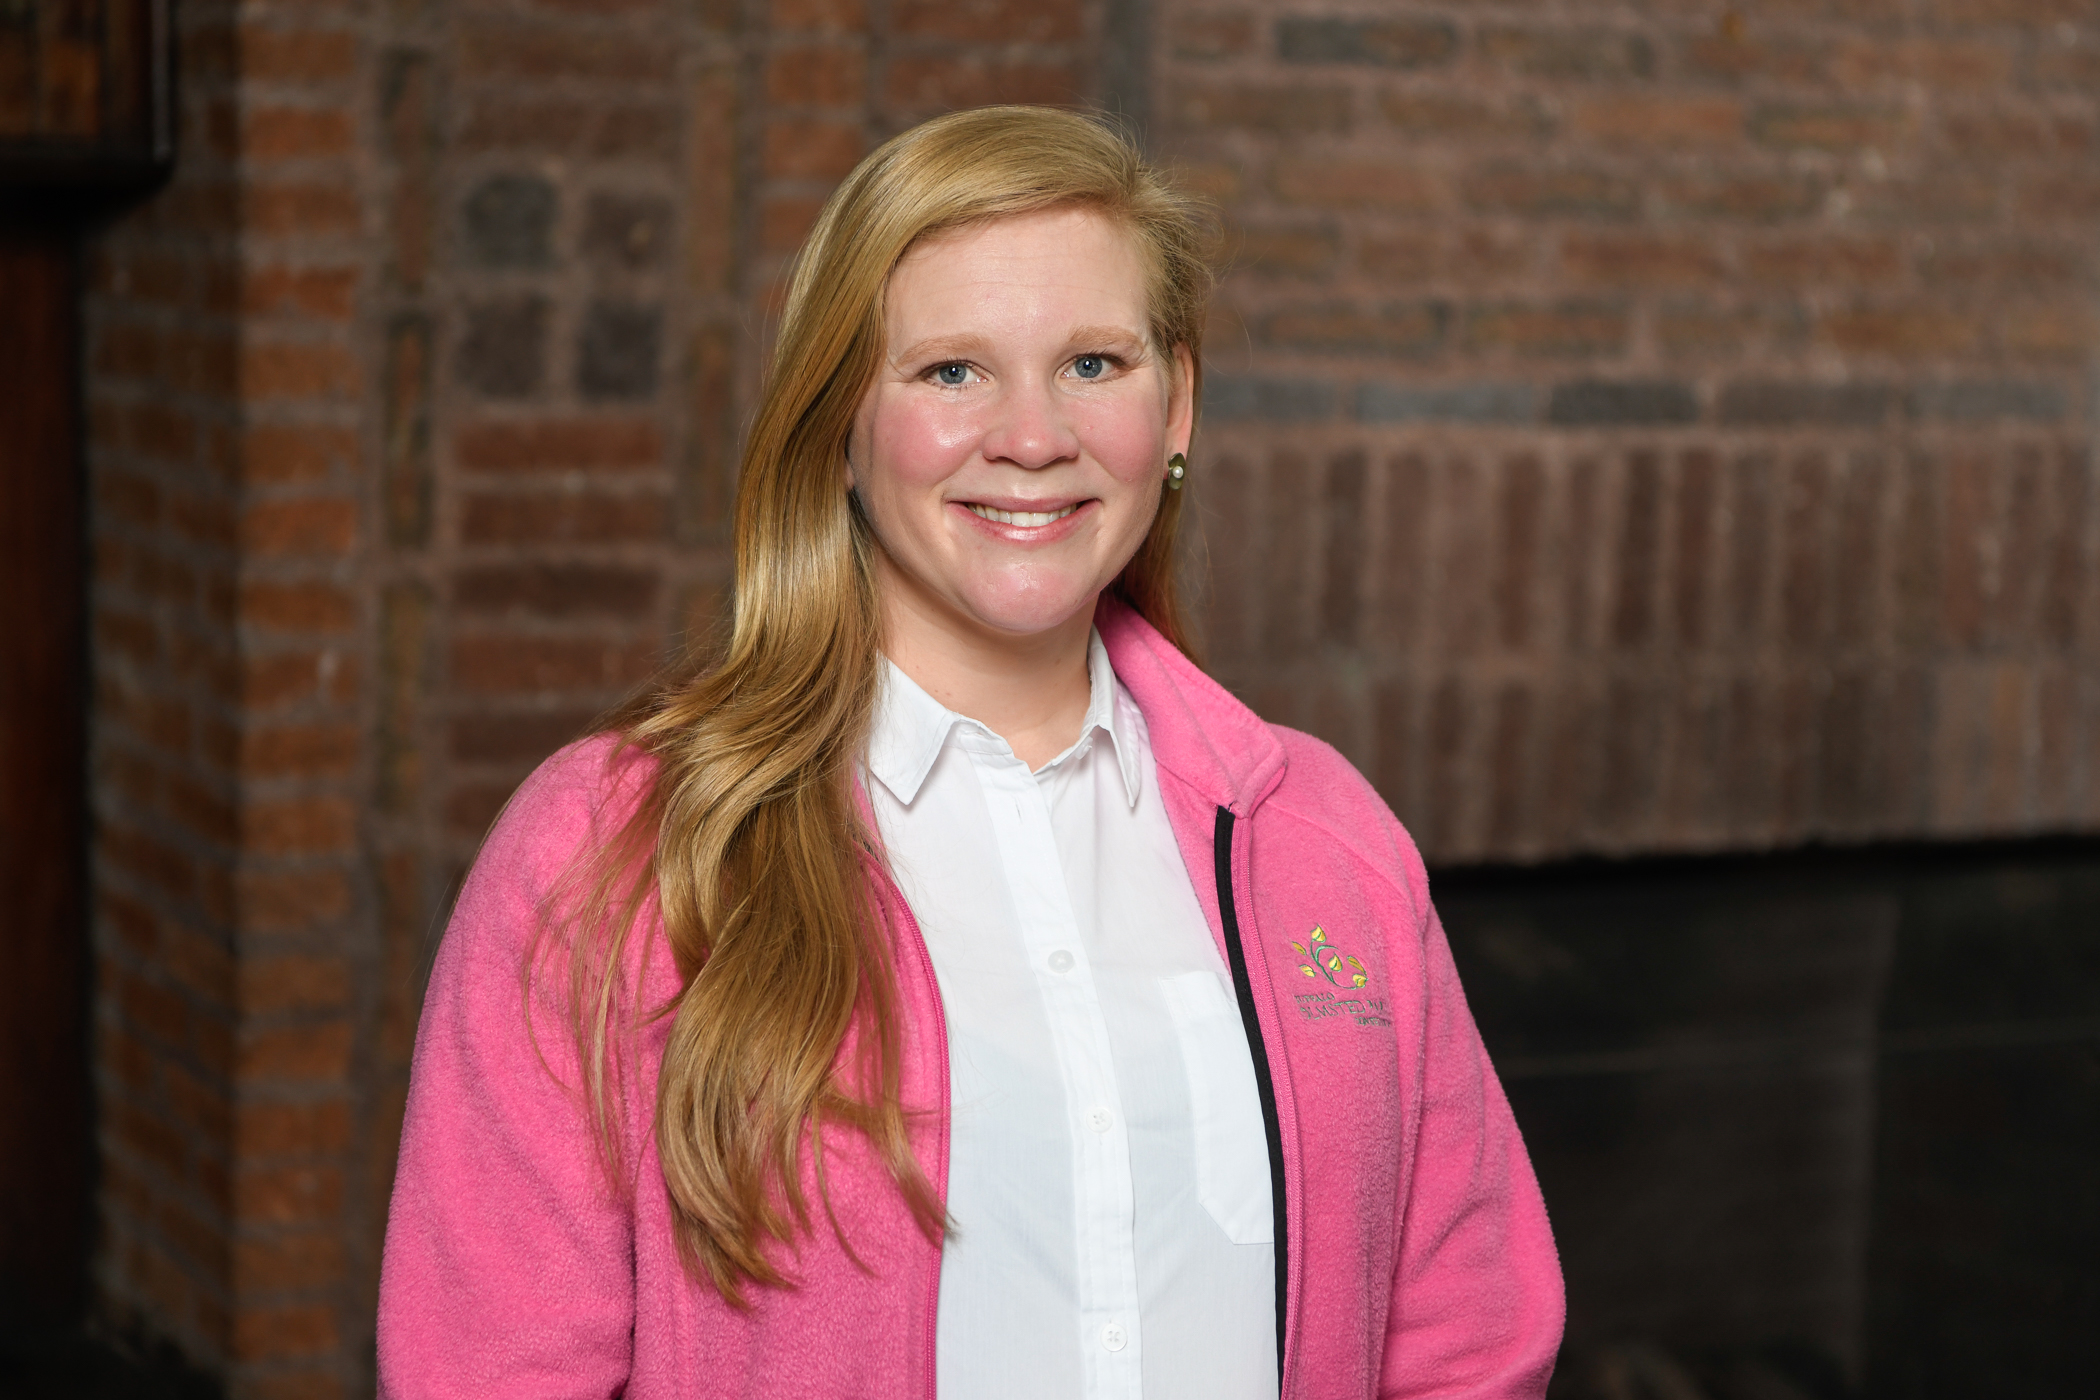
[1477,1306]
[509,1261]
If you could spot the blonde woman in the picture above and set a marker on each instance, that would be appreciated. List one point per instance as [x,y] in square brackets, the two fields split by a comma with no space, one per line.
[948,987]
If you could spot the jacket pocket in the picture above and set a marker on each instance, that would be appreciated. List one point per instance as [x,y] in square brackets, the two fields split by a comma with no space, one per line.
[1232,1150]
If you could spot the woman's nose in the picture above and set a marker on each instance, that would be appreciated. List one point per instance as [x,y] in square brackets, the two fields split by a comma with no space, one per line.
[1031,428]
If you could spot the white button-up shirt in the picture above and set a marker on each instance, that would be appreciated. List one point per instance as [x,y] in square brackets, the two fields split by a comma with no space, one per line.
[1108,1175]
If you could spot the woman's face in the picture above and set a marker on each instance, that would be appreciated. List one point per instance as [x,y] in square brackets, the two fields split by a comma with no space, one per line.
[1010,451]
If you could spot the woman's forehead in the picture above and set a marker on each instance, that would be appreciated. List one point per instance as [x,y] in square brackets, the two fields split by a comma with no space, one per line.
[1067,254]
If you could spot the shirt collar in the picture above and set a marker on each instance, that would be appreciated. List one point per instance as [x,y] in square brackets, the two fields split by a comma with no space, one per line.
[911,728]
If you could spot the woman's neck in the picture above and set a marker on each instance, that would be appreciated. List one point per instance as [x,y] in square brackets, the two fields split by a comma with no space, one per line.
[1031,691]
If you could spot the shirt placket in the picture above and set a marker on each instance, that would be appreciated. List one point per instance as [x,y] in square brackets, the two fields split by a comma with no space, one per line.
[1105,1243]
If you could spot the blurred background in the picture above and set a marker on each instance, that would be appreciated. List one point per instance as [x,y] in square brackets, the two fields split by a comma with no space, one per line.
[1655,441]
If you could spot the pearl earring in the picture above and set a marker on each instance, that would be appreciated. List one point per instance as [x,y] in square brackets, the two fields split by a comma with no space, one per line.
[1177,468]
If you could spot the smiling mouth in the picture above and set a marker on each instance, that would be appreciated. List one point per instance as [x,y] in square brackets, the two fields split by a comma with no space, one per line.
[1020,517]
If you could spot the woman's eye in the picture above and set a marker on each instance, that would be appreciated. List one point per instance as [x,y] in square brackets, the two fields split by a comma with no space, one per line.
[1089,366]
[952,375]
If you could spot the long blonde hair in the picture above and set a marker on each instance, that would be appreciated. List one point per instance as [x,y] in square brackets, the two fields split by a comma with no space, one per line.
[749,841]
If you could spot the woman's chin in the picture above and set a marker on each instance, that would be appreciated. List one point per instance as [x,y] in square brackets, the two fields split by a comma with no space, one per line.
[1030,614]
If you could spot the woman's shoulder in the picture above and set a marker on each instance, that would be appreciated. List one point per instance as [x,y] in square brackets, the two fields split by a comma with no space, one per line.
[1321,789]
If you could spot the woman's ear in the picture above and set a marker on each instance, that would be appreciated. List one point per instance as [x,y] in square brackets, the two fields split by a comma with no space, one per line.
[1181,400]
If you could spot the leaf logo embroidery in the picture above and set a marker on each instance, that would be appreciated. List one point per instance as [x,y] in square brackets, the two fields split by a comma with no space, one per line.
[1323,959]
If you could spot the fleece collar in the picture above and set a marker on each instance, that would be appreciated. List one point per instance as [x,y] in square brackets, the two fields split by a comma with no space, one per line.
[1200,733]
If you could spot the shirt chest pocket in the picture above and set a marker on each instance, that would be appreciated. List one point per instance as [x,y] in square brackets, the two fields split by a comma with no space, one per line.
[1231,1148]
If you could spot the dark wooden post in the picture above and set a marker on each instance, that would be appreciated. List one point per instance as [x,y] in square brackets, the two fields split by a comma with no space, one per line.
[84,127]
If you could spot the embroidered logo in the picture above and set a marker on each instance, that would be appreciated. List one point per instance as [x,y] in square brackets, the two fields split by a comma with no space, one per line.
[1320,960]
[1324,960]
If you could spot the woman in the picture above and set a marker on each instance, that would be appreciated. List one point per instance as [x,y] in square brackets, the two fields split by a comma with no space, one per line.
[950,986]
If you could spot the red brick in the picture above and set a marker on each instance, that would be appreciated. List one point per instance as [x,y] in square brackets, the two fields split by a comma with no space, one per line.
[578,518]
[266,1129]
[294,1054]
[816,77]
[1464,116]
[2012,13]
[1202,37]
[783,222]
[817,16]
[299,58]
[1555,330]
[284,209]
[322,293]
[2063,331]
[514,51]
[295,133]
[284,1262]
[296,371]
[276,1333]
[299,750]
[1544,192]
[1266,107]
[200,963]
[282,902]
[1640,260]
[558,444]
[811,150]
[2060,195]
[1939,65]
[549,589]
[297,607]
[299,826]
[278,679]
[1753,197]
[1659,121]
[933,83]
[313,526]
[987,21]
[510,665]
[1832,259]
[1370,184]
[1921,329]
[1831,127]
[2014,134]
[278,454]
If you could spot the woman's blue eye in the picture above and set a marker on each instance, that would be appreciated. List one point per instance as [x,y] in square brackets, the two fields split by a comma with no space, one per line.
[953,375]
[1089,366]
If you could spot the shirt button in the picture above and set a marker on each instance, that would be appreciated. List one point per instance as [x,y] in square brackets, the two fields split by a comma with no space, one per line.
[1060,961]
[1100,1120]
[1114,1337]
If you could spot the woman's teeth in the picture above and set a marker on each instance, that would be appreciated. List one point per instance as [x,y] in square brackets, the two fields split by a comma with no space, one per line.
[1022,517]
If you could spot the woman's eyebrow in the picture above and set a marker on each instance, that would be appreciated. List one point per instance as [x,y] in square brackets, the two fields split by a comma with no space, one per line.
[1105,336]
[942,347]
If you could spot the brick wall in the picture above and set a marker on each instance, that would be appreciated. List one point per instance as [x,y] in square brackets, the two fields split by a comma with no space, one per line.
[1660,428]
[1649,431]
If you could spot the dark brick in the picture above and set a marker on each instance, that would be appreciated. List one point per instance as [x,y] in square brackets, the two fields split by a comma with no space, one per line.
[1447,403]
[1983,400]
[556,590]
[405,481]
[509,221]
[1556,329]
[1239,399]
[617,351]
[1340,591]
[1598,403]
[1383,42]
[1260,106]
[503,353]
[1546,191]
[1828,127]
[515,738]
[1570,53]
[1777,403]
[1279,249]
[629,232]
[1464,115]
[1403,328]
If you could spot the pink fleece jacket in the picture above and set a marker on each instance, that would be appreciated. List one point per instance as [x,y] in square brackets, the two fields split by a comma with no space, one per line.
[1416,1255]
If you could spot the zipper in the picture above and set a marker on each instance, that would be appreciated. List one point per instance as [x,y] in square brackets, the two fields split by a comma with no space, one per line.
[1264,1083]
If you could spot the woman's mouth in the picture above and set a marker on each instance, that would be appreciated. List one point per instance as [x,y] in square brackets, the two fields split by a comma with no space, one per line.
[1021,517]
